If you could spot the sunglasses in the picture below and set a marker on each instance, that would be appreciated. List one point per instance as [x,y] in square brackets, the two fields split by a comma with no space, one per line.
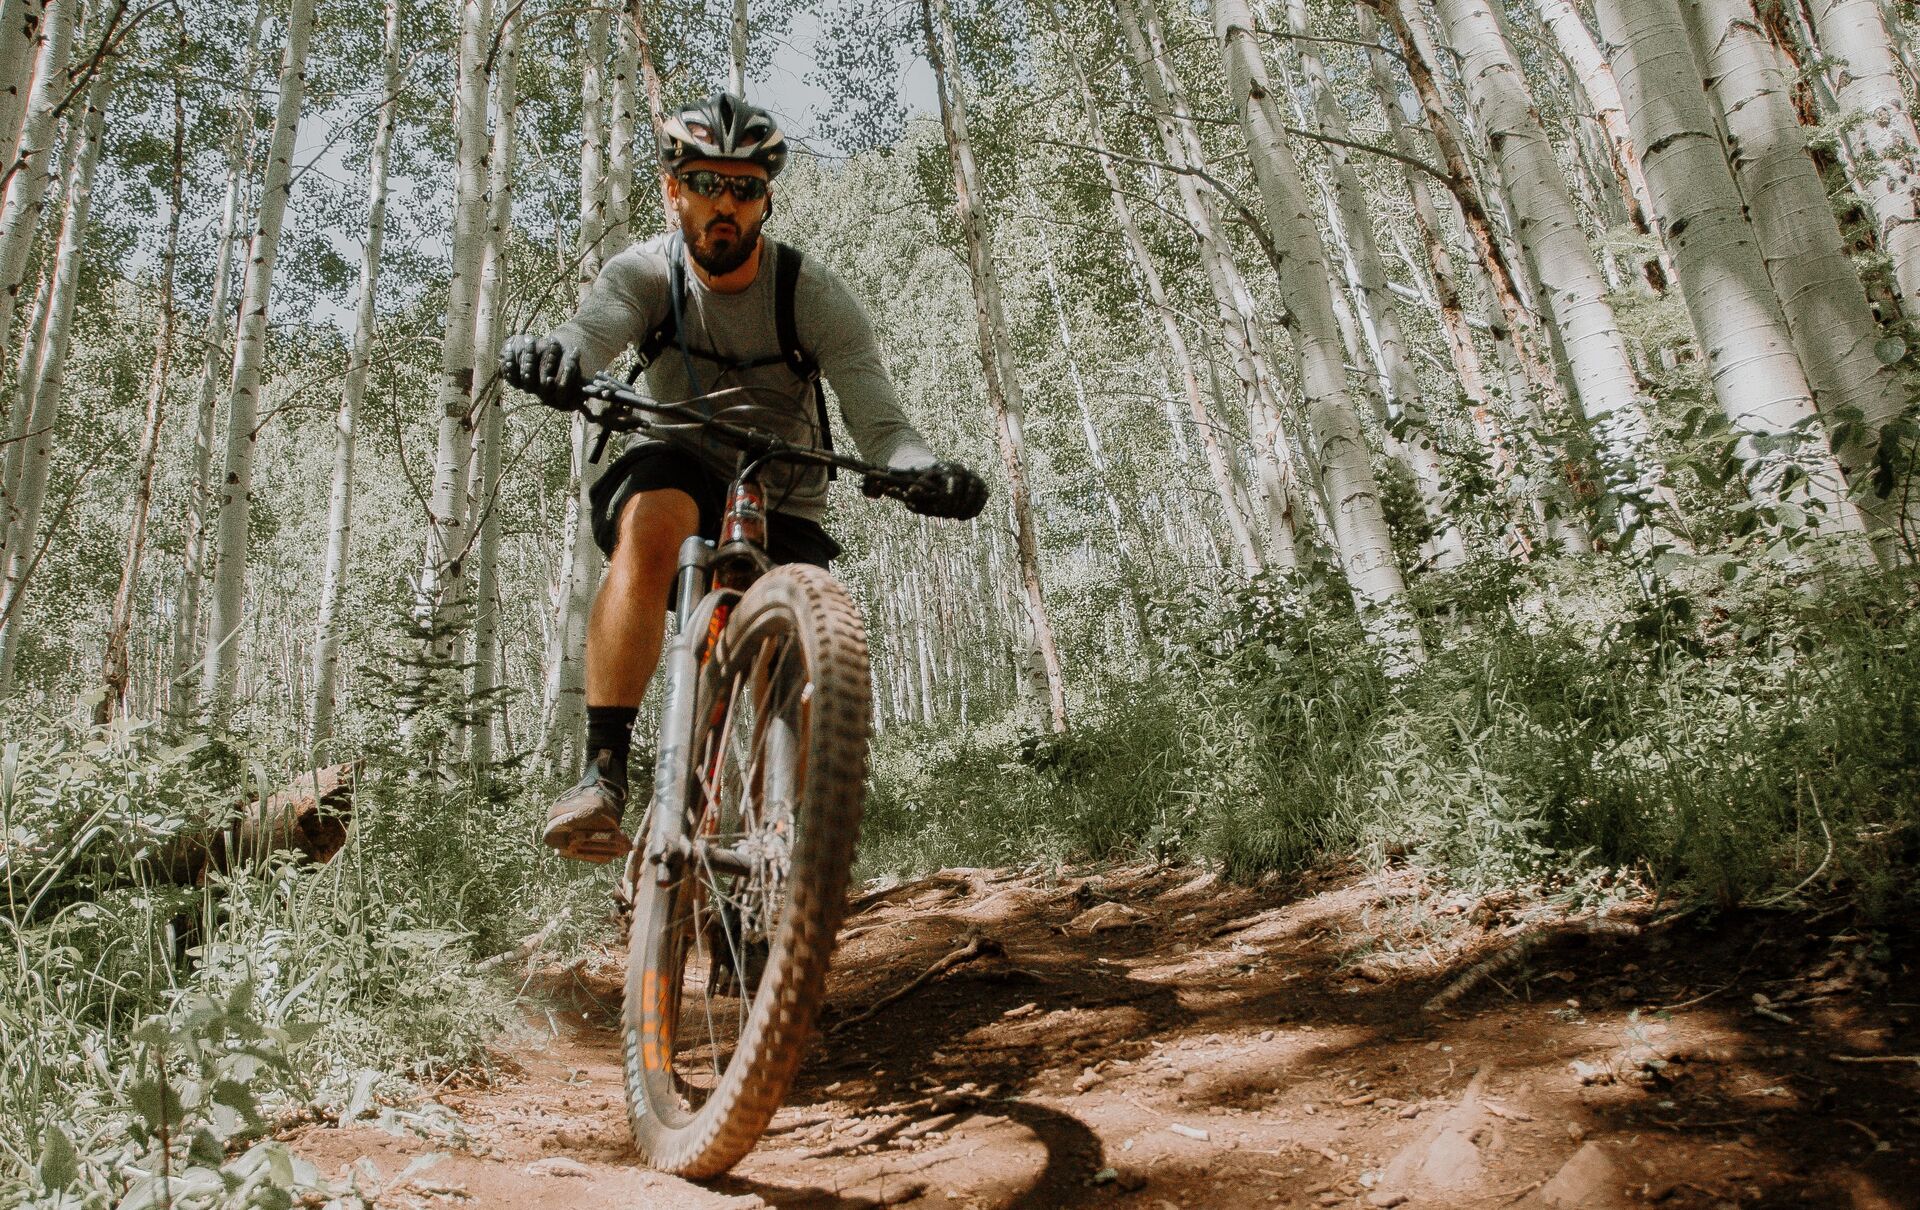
[713,184]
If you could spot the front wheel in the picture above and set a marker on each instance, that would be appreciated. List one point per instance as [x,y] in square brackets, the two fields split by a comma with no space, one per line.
[727,963]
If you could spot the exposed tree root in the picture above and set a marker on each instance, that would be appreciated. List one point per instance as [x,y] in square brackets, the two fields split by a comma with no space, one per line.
[977,946]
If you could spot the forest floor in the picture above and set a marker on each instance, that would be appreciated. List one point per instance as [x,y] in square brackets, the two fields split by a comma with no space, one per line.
[1155,1038]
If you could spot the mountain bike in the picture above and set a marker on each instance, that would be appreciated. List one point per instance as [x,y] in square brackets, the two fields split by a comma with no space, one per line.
[738,874]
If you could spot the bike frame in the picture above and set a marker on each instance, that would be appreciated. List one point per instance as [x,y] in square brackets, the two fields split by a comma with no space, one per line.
[709,579]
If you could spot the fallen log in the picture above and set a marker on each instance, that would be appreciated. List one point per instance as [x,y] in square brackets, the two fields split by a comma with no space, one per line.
[309,816]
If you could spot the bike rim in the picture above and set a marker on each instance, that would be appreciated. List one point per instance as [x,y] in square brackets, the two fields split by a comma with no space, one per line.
[719,949]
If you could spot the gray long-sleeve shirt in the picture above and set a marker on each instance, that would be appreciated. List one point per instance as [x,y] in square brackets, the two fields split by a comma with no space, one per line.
[631,297]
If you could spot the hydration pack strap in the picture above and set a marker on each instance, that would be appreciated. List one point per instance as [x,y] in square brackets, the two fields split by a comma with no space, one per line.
[671,330]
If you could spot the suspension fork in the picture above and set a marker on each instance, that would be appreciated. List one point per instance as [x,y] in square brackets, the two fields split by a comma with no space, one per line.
[666,844]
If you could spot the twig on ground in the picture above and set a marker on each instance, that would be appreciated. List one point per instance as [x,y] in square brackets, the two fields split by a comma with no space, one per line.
[1875,1058]
[1667,1008]
[529,945]
[977,946]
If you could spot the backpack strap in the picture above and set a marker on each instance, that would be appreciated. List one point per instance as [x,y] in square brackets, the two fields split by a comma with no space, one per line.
[667,331]
[786,284]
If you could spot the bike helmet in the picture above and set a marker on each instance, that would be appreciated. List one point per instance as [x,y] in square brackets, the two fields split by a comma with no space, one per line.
[722,127]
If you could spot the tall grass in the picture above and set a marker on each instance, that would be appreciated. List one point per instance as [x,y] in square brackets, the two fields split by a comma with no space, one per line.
[278,984]
[1732,742]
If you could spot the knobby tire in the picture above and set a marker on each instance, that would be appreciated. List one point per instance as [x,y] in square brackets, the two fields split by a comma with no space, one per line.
[706,1072]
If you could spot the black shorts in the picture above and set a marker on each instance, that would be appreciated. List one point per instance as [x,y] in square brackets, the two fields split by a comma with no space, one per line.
[652,467]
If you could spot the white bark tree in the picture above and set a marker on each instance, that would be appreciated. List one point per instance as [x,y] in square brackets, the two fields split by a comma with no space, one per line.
[1218,468]
[737,49]
[1359,524]
[1827,312]
[997,361]
[488,460]
[30,172]
[48,379]
[115,672]
[221,664]
[185,649]
[326,639]
[564,700]
[1582,52]
[1858,49]
[1743,333]
[442,572]
[21,30]
[1240,327]
[1549,229]
[1351,219]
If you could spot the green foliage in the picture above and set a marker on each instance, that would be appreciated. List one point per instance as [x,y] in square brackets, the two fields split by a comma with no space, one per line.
[1734,742]
[141,1017]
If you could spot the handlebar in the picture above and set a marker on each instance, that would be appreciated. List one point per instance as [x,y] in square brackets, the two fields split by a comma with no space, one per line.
[624,410]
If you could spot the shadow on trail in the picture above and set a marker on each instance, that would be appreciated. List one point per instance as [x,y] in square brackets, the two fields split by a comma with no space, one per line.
[1708,1103]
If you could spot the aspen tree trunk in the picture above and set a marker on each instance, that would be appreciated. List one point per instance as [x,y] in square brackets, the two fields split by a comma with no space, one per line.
[1866,75]
[1169,322]
[650,83]
[1418,55]
[220,667]
[1827,312]
[1462,350]
[30,172]
[1238,327]
[1750,358]
[488,307]
[737,48]
[565,698]
[622,123]
[996,351]
[115,670]
[442,572]
[21,429]
[1407,417]
[1596,75]
[1603,377]
[21,30]
[184,654]
[49,376]
[1359,525]
[326,639]
[1527,353]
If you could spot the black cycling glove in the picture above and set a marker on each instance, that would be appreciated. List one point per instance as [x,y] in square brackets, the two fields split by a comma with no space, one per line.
[542,366]
[948,489]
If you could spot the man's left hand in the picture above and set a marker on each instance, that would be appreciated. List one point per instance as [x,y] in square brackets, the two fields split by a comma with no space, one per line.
[948,489]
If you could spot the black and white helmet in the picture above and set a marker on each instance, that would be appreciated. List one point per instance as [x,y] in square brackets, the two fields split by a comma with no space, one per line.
[722,127]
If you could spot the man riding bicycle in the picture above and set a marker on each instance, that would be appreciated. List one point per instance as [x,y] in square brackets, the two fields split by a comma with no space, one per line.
[710,306]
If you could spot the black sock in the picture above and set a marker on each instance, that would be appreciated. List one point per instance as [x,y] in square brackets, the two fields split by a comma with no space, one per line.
[610,728]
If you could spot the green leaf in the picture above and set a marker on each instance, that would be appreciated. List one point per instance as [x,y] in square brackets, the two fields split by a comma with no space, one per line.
[1889,349]
[157,1104]
[59,1161]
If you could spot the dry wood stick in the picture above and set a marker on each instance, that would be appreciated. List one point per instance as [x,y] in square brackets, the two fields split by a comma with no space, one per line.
[976,947]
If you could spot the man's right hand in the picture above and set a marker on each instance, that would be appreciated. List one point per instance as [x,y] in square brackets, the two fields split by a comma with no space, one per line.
[543,366]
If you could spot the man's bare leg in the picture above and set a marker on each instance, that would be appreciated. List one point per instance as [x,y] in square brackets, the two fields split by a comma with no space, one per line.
[629,618]
[624,634]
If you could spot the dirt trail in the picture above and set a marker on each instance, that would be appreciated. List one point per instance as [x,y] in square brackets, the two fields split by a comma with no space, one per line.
[1152,1038]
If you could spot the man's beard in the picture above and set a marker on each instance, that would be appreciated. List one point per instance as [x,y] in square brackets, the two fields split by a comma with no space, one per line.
[727,253]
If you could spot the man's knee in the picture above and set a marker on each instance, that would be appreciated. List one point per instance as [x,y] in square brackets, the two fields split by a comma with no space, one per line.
[651,527]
